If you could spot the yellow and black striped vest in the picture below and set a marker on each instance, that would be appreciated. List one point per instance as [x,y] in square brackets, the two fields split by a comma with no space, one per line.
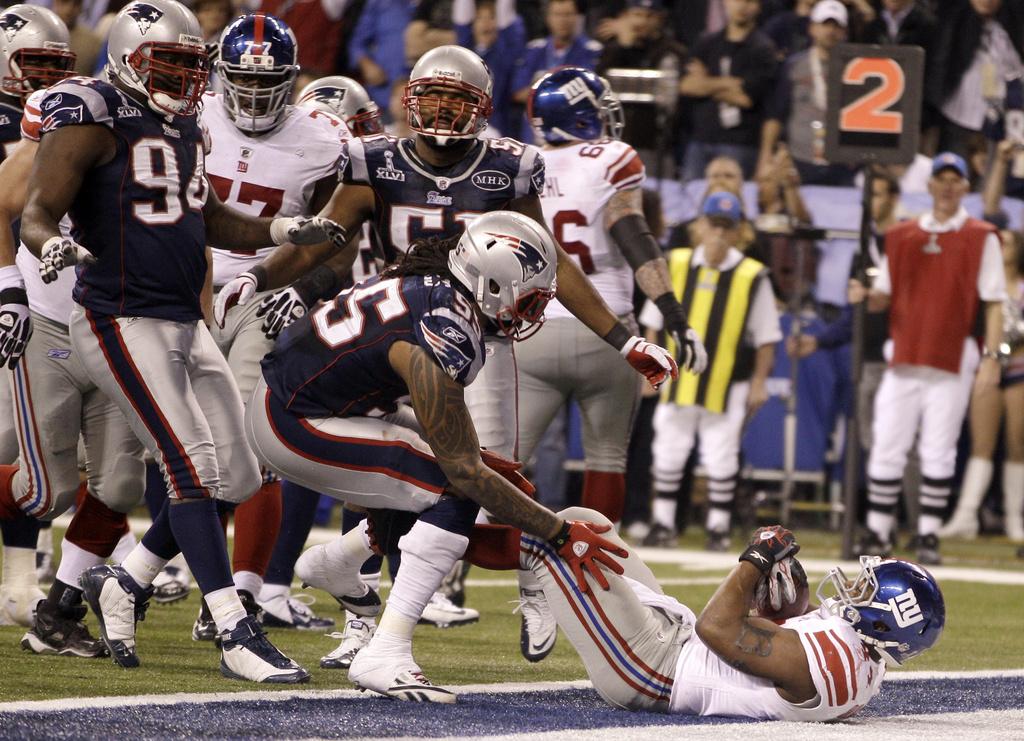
[716,303]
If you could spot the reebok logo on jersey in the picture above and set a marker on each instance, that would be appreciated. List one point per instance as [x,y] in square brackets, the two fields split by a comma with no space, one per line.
[758,556]
[453,334]
[580,548]
[451,359]
[53,102]
[11,23]
[58,354]
[145,15]
[491,180]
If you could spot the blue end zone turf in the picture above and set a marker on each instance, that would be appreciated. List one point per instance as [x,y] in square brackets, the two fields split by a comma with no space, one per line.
[473,715]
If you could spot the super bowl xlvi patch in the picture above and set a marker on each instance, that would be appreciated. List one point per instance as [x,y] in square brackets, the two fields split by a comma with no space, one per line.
[58,354]
[388,172]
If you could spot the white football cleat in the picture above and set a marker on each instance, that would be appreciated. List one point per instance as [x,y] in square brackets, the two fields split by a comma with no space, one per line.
[397,677]
[171,584]
[441,612]
[315,569]
[18,604]
[538,629]
[247,654]
[292,611]
[356,637]
[119,603]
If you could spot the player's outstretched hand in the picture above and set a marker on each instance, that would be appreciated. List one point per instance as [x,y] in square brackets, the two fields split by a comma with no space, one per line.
[768,546]
[583,548]
[510,470]
[281,309]
[59,253]
[692,355]
[15,325]
[236,292]
[307,230]
[654,361]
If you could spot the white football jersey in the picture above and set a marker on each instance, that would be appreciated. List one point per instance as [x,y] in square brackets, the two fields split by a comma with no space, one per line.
[844,674]
[581,179]
[273,174]
[52,300]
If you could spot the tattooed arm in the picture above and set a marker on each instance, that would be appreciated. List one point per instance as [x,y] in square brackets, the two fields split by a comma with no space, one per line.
[751,644]
[625,222]
[447,428]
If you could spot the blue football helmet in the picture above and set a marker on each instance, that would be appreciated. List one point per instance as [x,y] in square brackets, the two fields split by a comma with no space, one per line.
[257,69]
[895,606]
[573,104]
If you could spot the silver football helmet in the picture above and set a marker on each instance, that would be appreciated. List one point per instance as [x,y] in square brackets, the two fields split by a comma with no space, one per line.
[156,48]
[34,51]
[346,99]
[448,98]
[508,261]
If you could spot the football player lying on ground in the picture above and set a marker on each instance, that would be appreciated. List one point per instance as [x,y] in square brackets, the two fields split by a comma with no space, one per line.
[326,415]
[644,650]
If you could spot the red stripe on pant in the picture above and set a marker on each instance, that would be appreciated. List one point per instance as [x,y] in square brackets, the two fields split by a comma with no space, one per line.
[116,354]
[582,618]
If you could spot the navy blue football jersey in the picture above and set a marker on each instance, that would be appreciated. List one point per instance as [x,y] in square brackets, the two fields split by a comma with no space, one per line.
[10,125]
[334,362]
[416,200]
[141,213]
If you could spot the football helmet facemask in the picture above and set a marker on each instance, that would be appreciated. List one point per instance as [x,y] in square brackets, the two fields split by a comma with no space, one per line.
[448,98]
[156,48]
[257,66]
[346,99]
[34,51]
[895,606]
[508,262]
[574,104]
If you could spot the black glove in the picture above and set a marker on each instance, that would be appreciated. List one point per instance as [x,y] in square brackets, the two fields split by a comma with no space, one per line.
[690,352]
[768,546]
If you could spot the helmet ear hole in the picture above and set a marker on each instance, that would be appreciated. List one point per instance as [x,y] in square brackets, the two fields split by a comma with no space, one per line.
[493,287]
[880,627]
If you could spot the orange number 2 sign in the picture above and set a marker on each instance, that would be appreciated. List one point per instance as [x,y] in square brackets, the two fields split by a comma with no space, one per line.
[868,112]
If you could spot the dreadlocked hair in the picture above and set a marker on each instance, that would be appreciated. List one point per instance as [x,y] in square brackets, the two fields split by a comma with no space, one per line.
[427,256]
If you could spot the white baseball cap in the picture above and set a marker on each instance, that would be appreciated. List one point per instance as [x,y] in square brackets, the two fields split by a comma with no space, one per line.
[829,10]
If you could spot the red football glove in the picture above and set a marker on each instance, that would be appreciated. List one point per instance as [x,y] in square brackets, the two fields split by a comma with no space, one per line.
[654,361]
[768,546]
[509,469]
[582,548]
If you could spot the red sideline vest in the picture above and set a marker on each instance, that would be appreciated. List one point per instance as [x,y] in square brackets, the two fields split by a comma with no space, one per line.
[934,291]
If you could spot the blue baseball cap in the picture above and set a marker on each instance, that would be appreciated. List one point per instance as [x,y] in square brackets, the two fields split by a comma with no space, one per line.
[723,205]
[949,161]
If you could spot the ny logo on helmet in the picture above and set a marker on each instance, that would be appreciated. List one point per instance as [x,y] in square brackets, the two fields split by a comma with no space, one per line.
[576,90]
[10,24]
[530,258]
[145,15]
[904,608]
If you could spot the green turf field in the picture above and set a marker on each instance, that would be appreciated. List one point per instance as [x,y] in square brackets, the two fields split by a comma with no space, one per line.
[982,632]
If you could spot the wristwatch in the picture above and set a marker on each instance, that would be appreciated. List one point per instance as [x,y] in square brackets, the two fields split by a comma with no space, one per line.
[997,355]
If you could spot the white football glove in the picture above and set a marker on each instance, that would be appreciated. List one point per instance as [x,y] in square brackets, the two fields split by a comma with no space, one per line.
[281,309]
[778,587]
[59,253]
[654,361]
[237,291]
[307,230]
[15,321]
[692,355]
